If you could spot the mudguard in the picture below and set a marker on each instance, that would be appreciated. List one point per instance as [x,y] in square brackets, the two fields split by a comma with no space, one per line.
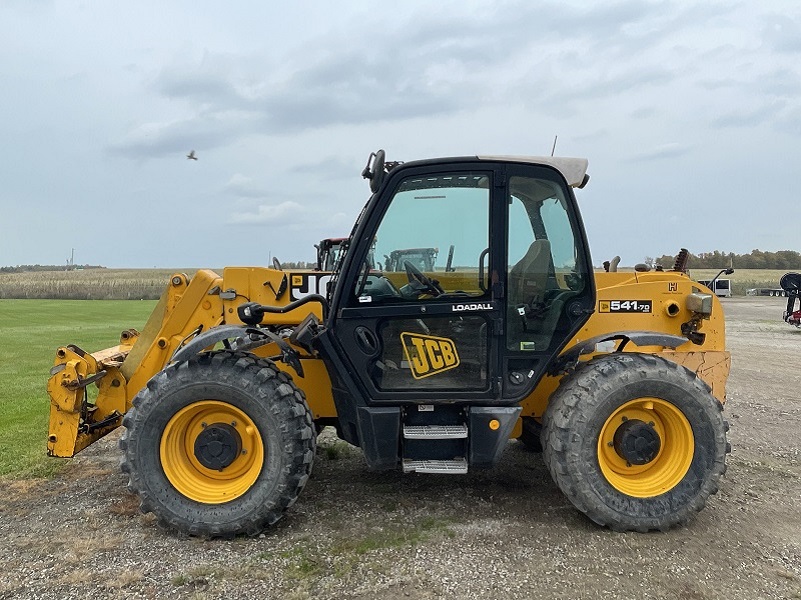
[215,335]
[640,338]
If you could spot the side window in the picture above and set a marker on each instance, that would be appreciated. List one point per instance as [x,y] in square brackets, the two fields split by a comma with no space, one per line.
[542,272]
[432,241]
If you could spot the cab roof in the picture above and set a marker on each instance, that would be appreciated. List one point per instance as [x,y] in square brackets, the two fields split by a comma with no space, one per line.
[574,170]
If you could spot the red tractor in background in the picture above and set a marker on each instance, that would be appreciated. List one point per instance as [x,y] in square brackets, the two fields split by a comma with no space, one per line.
[791,284]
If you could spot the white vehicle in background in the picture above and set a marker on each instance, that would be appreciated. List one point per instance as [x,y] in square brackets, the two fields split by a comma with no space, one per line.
[722,286]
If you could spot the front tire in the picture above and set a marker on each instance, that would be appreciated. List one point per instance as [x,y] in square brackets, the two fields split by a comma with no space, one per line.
[635,442]
[219,445]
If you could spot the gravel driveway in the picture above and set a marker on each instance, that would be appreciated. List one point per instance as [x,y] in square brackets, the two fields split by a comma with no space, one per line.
[506,533]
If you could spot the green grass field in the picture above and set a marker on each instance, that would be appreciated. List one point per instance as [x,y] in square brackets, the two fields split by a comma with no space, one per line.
[30,333]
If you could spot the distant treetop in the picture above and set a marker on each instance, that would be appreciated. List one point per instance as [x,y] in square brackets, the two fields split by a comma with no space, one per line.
[782,260]
[29,268]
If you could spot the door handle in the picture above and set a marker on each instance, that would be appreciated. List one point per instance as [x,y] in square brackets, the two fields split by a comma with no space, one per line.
[481,258]
[366,340]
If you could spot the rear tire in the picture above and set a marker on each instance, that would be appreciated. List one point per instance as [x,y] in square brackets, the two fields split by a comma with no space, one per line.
[219,445]
[635,442]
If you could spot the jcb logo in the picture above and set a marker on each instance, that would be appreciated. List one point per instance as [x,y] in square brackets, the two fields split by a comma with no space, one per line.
[429,355]
[303,285]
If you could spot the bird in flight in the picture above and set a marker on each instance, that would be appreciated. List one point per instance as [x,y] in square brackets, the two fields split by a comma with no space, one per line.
[191,155]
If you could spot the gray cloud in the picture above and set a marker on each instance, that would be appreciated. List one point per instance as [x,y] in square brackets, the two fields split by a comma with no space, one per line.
[207,130]
[198,86]
[328,169]
[782,33]
[665,151]
[747,118]
[242,186]
[788,123]
[285,213]
[440,66]
[288,215]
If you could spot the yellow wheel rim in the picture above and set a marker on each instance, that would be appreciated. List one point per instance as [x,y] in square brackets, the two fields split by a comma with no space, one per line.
[665,470]
[186,472]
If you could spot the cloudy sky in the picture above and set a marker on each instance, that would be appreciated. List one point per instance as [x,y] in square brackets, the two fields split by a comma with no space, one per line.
[689,114]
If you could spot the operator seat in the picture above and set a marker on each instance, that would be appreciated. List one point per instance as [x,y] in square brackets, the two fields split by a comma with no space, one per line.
[529,277]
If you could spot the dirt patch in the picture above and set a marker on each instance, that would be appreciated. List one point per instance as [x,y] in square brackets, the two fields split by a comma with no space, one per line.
[505,533]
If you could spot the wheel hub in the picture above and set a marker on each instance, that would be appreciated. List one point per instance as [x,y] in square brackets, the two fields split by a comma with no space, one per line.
[217,446]
[637,442]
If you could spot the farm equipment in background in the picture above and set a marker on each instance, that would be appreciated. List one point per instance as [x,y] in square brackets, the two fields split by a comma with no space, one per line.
[777,292]
[791,284]
[619,378]
[329,252]
[421,258]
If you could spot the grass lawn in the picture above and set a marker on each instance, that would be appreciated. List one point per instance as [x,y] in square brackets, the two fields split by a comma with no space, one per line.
[30,333]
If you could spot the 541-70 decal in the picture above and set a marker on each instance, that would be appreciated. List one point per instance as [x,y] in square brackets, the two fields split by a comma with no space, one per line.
[624,306]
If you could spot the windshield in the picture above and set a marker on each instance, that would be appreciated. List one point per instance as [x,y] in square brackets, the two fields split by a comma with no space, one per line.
[437,225]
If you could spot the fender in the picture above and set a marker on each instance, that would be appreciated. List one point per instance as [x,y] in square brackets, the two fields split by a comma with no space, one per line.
[639,338]
[245,338]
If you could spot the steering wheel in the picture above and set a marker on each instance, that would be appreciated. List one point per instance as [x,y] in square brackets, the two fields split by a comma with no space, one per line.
[421,283]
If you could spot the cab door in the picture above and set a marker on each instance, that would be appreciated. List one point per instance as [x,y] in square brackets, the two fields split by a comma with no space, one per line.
[508,284]
[549,280]
[421,318]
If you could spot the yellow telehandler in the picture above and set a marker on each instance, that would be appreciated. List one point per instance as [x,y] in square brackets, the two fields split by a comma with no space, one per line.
[618,377]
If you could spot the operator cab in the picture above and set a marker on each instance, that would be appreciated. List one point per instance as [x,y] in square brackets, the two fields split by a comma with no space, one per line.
[482,321]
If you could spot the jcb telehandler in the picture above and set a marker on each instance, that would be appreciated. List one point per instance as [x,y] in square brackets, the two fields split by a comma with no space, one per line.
[619,377]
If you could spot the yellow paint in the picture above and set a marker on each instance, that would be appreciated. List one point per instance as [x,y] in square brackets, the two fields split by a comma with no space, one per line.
[710,361]
[670,465]
[188,475]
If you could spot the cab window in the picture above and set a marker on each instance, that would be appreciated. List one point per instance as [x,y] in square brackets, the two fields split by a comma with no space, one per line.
[432,241]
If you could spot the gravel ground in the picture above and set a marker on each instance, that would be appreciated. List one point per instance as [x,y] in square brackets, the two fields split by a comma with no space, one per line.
[506,533]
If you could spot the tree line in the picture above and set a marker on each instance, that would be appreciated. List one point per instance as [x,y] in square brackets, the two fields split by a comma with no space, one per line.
[756,259]
[42,268]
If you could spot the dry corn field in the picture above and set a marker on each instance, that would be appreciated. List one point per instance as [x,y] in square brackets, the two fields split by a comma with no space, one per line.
[87,284]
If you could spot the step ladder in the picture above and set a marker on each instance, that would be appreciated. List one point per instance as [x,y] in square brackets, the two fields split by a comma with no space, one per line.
[435,440]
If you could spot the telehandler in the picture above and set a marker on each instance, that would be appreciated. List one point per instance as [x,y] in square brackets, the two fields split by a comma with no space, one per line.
[328,253]
[618,377]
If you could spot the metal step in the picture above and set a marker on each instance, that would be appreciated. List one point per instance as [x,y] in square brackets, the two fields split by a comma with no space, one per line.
[434,432]
[456,466]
